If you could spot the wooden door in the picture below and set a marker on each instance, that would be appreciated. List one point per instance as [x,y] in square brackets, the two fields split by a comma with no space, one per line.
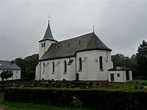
[127,75]
[112,77]
[77,77]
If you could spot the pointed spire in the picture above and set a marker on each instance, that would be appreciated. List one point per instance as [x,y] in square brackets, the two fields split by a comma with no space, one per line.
[93,28]
[48,34]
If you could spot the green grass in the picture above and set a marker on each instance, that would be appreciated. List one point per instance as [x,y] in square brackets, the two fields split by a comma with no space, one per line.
[31,106]
[132,85]
[140,81]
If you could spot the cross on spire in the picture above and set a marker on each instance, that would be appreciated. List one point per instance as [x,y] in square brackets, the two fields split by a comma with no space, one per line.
[93,28]
[48,17]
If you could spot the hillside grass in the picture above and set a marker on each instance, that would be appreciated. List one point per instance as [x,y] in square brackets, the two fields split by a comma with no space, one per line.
[32,106]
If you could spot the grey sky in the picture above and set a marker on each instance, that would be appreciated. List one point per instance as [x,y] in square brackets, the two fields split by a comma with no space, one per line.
[120,24]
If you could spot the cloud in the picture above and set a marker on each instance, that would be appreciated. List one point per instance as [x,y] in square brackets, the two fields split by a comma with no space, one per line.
[121,25]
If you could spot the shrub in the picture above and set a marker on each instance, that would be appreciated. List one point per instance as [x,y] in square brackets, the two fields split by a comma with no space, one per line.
[93,98]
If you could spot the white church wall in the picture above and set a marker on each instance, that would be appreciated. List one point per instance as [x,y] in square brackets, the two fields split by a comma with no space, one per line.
[59,72]
[90,65]
[43,47]
[38,72]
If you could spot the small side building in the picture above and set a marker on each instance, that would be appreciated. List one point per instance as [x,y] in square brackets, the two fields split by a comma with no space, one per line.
[119,74]
[10,66]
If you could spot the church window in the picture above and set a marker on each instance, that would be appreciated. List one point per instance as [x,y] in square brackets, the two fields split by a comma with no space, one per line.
[43,68]
[67,44]
[101,62]
[78,42]
[106,54]
[53,64]
[42,45]
[65,66]
[80,64]
[118,75]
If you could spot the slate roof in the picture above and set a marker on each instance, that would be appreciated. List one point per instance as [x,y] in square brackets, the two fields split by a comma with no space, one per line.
[48,34]
[70,47]
[7,65]
[119,68]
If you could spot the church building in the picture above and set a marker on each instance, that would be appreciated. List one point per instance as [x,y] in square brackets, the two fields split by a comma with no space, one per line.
[83,57]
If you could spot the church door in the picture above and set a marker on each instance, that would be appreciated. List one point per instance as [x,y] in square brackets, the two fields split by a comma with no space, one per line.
[127,75]
[77,77]
[112,77]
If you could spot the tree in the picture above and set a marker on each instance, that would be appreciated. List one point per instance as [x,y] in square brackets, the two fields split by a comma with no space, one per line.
[141,58]
[120,60]
[6,75]
[133,65]
[28,65]
[21,63]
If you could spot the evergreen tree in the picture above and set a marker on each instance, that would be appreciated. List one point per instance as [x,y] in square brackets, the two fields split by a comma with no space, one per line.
[141,58]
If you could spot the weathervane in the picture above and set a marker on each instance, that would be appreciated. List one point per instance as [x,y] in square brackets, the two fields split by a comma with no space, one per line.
[93,28]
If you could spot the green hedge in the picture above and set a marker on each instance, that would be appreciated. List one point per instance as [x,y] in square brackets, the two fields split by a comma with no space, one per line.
[92,98]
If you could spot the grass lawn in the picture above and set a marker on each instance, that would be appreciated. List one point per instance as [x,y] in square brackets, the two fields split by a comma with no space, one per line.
[31,106]
[132,85]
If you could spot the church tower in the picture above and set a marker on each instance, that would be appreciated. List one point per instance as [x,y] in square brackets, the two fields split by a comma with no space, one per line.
[46,42]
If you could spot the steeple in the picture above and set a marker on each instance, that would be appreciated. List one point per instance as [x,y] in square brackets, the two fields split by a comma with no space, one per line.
[46,42]
[48,34]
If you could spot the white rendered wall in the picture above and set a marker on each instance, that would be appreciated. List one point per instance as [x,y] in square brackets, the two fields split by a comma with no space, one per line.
[37,72]
[16,74]
[90,66]
[59,73]
[121,78]
[42,50]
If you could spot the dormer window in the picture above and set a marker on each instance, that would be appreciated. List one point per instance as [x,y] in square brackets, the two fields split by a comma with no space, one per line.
[67,45]
[57,47]
[78,42]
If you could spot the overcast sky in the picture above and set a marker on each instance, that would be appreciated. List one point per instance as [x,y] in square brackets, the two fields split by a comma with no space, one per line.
[120,24]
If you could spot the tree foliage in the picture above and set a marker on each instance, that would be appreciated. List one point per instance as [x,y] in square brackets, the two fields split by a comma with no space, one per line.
[121,60]
[28,65]
[141,58]
[6,75]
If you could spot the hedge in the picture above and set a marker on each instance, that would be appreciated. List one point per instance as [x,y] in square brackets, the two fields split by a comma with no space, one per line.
[91,98]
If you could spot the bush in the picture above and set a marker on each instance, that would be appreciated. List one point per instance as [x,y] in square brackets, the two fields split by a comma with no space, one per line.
[95,99]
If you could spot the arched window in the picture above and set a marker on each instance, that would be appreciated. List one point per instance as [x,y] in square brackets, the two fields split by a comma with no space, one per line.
[43,68]
[65,66]
[80,64]
[53,64]
[101,62]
